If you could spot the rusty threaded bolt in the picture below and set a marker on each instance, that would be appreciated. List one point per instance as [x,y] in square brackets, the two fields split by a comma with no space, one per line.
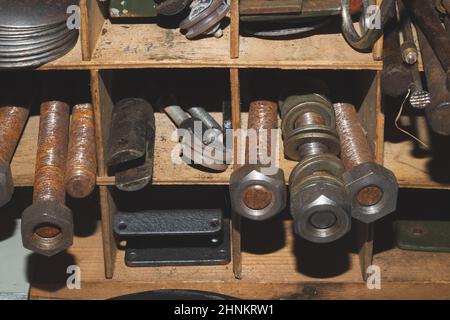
[47,225]
[262,116]
[355,148]
[255,194]
[12,123]
[81,168]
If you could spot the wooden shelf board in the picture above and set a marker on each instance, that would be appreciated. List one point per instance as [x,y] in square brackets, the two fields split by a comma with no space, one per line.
[404,274]
[71,61]
[411,172]
[148,45]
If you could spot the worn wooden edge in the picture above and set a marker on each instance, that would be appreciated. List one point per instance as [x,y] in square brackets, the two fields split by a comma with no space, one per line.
[234,30]
[235,218]
[377,52]
[108,210]
[396,290]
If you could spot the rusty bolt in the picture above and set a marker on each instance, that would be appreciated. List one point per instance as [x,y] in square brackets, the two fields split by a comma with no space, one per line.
[81,159]
[373,188]
[256,194]
[12,122]
[47,225]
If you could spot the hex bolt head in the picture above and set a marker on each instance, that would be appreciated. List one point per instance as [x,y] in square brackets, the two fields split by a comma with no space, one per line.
[6,183]
[321,211]
[47,228]
[382,190]
[251,189]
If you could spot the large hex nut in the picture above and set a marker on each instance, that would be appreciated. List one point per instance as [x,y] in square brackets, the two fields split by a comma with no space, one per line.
[47,213]
[321,211]
[254,175]
[6,183]
[371,175]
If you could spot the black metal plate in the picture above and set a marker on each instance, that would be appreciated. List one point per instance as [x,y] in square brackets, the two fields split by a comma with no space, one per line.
[199,222]
[139,253]
[214,254]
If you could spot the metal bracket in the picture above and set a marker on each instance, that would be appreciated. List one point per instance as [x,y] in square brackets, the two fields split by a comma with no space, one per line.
[433,236]
[174,237]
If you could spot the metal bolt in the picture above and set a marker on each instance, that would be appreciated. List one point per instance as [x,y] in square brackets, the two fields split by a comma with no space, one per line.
[12,123]
[81,160]
[372,187]
[177,114]
[47,225]
[254,194]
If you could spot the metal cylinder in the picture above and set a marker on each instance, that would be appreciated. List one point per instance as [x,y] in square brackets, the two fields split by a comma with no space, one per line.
[81,165]
[372,188]
[427,19]
[262,119]
[52,152]
[438,111]
[47,225]
[395,77]
[12,123]
[257,189]
[177,114]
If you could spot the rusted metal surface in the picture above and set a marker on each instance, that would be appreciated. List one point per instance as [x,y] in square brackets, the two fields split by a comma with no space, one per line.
[256,7]
[438,112]
[131,144]
[427,19]
[355,148]
[262,118]
[12,123]
[395,77]
[81,166]
[47,225]
[52,152]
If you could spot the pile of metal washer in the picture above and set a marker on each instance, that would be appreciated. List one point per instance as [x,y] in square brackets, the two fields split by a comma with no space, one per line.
[34,32]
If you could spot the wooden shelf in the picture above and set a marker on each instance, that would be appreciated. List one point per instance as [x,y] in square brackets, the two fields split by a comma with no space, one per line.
[323,51]
[269,275]
[411,171]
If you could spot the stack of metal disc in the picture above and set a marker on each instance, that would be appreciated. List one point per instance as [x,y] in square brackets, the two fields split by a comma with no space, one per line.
[34,32]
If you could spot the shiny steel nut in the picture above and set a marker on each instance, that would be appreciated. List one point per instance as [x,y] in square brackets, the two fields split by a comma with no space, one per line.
[321,211]
[54,216]
[371,175]
[6,183]
[253,175]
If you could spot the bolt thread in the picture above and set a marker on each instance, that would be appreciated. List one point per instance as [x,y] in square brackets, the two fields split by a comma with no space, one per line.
[355,148]
[12,123]
[81,166]
[205,117]
[262,119]
[52,152]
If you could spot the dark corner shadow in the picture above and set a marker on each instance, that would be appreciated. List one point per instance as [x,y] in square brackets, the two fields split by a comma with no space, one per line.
[263,237]
[323,260]
[49,273]
[438,166]
[86,214]
[10,214]
[384,234]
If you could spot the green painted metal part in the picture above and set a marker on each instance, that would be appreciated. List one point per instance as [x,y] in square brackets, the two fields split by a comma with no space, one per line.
[132,9]
[417,235]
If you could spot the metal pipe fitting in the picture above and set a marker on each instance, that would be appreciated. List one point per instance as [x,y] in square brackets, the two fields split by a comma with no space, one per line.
[81,169]
[12,123]
[319,200]
[373,188]
[257,190]
[47,225]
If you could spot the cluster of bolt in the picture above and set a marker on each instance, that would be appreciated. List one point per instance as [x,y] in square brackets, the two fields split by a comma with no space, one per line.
[202,131]
[61,165]
[325,191]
